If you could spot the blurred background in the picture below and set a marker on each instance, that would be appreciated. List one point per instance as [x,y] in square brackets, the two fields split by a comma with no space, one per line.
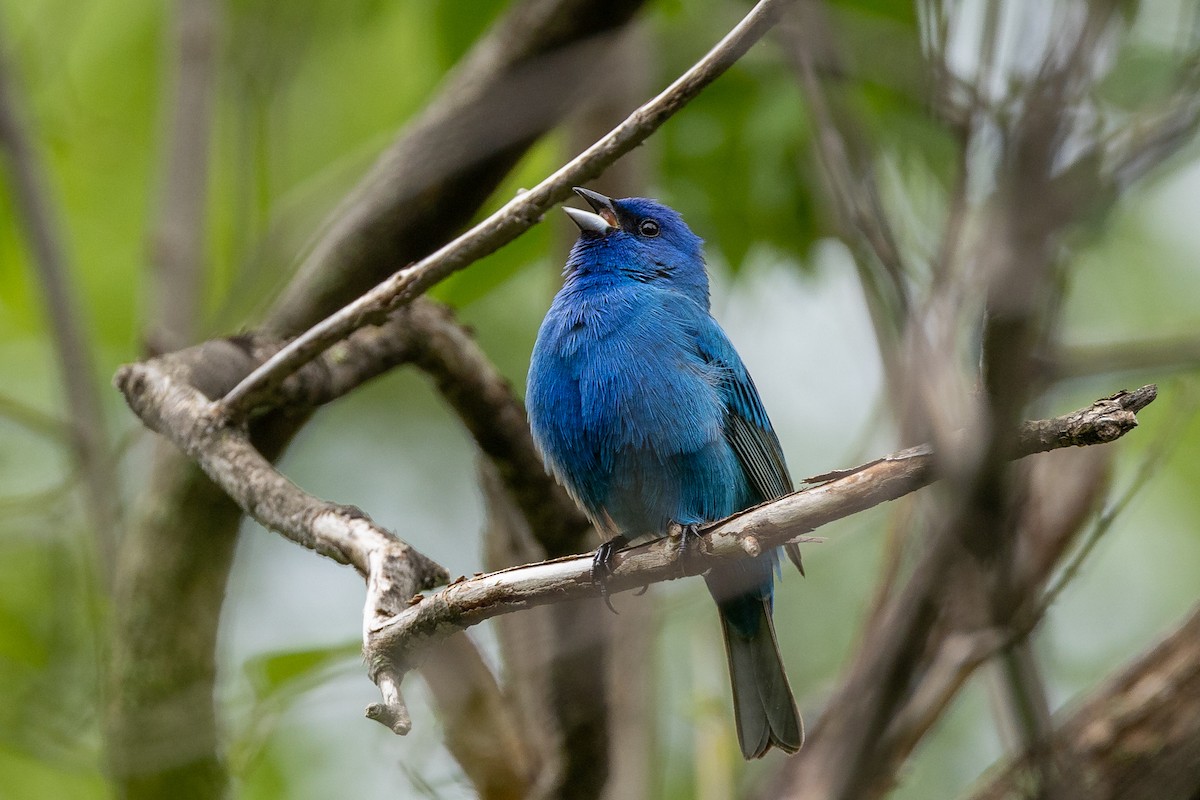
[296,101]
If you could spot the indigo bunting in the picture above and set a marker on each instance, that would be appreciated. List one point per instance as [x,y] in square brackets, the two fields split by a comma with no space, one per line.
[643,410]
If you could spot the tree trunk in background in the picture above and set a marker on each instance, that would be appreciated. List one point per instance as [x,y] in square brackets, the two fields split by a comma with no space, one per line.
[173,567]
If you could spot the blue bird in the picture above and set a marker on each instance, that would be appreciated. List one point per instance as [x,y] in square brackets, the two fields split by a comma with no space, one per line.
[643,410]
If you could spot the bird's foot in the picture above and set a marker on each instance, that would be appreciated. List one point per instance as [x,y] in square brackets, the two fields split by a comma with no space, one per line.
[690,540]
[689,535]
[602,566]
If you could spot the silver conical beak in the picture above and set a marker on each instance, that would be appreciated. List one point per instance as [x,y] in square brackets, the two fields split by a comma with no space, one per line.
[601,222]
[588,222]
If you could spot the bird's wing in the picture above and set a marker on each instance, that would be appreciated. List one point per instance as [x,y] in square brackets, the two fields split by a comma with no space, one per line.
[747,427]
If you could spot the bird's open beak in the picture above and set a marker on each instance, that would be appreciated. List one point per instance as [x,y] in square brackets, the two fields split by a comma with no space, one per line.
[601,222]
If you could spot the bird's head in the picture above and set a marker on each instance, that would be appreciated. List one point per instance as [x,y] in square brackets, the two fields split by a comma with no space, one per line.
[638,239]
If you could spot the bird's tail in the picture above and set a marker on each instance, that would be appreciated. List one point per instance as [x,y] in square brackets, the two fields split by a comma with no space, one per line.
[763,704]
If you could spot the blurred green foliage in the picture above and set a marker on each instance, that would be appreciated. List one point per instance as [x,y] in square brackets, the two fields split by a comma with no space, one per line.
[308,94]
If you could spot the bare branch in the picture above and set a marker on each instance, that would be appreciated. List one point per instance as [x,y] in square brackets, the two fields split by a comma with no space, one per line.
[526,640]
[177,410]
[514,218]
[164,398]
[160,394]
[516,83]
[850,178]
[35,420]
[964,578]
[470,601]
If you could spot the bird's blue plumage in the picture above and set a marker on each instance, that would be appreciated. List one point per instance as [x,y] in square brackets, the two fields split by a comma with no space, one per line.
[644,411]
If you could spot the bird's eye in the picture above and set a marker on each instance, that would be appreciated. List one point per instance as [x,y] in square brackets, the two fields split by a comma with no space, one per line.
[648,227]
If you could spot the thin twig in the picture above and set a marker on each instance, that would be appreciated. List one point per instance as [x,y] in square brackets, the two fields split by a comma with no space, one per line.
[514,218]
[533,67]
[851,182]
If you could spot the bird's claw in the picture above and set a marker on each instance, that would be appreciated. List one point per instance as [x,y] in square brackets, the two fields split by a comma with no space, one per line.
[793,553]
[602,566]
[689,537]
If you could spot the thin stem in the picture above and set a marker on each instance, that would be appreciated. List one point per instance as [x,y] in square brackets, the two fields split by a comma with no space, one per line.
[513,219]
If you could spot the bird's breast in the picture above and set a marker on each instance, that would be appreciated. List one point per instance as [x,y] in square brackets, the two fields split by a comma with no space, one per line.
[634,376]
[628,413]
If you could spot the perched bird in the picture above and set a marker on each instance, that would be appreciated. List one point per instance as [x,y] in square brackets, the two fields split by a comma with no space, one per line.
[643,410]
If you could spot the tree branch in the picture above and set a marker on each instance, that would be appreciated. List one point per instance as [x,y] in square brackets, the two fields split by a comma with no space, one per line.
[904,668]
[849,176]
[516,83]
[526,641]
[35,420]
[484,401]
[169,404]
[471,601]
[1177,352]
[170,394]
[515,217]
[481,729]
[160,393]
